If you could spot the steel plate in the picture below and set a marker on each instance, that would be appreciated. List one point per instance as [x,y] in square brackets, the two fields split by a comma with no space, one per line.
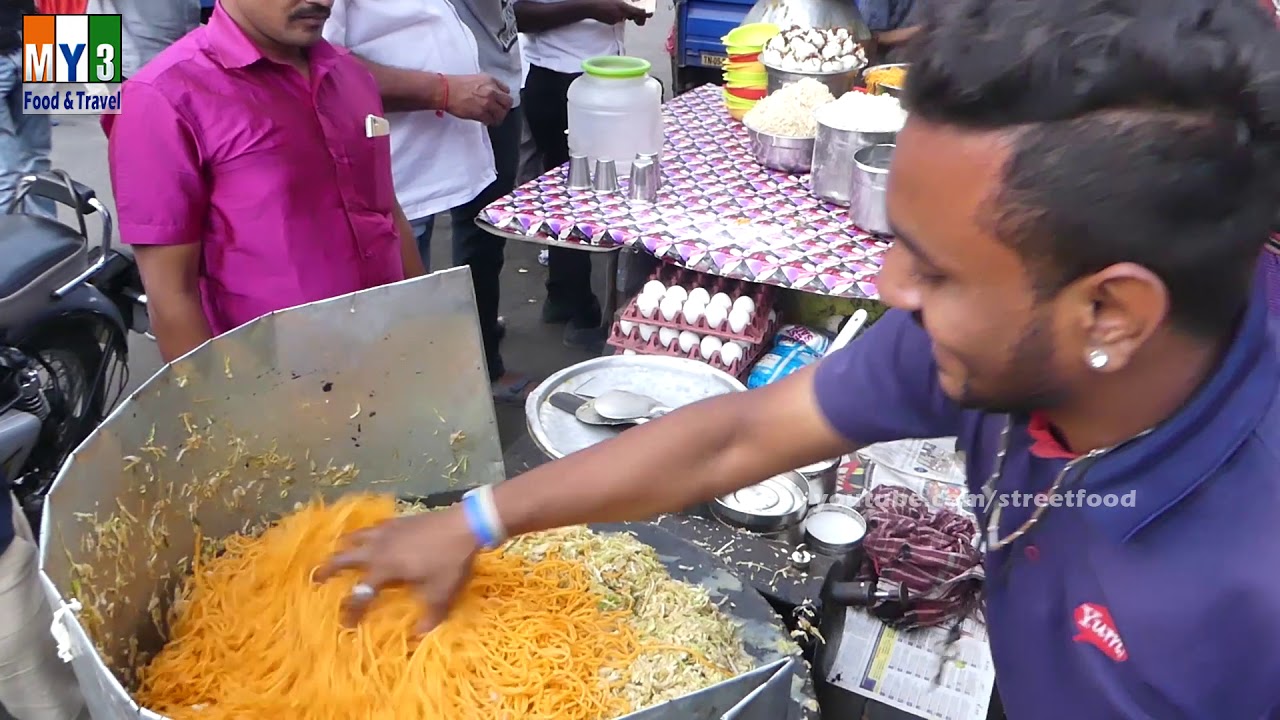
[674,382]
[774,497]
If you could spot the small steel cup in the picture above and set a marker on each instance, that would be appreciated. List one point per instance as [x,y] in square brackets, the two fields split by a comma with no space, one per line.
[655,157]
[644,182]
[579,172]
[606,179]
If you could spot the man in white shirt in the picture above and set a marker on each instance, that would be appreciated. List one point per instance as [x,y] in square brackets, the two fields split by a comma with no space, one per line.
[559,35]
[147,26]
[425,60]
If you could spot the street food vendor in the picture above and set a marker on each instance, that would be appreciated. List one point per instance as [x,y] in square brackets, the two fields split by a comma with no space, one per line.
[1079,221]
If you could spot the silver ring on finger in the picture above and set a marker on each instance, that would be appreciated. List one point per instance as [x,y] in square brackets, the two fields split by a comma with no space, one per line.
[363,592]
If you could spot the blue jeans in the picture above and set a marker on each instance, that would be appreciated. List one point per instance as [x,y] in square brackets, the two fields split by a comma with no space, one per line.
[24,139]
[422,228]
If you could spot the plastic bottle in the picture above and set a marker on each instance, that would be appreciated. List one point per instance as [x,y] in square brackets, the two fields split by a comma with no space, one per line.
[615,111]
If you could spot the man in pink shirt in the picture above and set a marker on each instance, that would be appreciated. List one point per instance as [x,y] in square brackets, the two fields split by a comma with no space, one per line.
[246,177]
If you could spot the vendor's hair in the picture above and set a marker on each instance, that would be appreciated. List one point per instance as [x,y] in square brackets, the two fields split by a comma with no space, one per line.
[1144,131]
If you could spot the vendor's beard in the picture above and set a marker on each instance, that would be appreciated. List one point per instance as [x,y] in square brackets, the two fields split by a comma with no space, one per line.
[1028,382]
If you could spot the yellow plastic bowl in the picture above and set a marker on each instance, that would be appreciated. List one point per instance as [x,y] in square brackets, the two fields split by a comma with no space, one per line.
[750,37]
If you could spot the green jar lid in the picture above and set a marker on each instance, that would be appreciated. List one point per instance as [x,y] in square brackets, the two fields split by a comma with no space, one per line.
[616,66]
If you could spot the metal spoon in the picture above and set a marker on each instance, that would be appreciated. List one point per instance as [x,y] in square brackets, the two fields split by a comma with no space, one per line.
[627,406]
[588,414]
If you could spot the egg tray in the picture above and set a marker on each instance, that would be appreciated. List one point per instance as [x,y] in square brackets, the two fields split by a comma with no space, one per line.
[754,334]
[740,369]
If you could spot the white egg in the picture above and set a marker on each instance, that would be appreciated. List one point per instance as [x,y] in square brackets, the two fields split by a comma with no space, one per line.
[709,347]
[721,299]
[738,320]
[746,304]
[626,326]
[646,332]
[688,341]
[715,316]
[670,307]
[628,352]
[667,335]
[654,287]
[730,353]
[700,294]
[675,291]
[693,310]
[647,304]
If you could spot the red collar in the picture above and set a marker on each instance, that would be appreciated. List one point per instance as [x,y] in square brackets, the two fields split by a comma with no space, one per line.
[1043,442]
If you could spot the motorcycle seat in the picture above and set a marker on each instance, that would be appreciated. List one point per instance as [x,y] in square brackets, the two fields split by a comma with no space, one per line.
[32,247]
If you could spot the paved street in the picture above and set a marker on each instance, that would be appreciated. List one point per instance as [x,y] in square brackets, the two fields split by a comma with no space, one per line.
[531,348]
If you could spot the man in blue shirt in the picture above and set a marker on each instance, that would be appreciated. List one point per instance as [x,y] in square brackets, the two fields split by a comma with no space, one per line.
[892,23]
[1081,196]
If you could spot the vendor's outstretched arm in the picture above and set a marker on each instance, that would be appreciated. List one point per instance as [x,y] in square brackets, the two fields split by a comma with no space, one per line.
[692,455]
[883,387]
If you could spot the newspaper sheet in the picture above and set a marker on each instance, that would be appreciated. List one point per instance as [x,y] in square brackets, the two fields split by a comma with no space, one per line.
[916,672]
[930,468]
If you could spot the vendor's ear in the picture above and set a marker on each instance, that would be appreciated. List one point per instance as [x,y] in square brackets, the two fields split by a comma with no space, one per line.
[1117,310]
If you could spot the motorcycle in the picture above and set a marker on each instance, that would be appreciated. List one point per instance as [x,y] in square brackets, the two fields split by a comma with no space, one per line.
[66,310]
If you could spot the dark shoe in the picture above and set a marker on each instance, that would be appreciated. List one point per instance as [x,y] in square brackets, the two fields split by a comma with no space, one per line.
[583,314]
[553,314]
[511,389]
[589,338]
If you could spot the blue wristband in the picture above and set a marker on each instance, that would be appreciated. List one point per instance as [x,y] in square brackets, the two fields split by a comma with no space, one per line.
[485,535]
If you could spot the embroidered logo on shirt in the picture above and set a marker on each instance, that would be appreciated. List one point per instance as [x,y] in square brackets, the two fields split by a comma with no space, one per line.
[1095,627]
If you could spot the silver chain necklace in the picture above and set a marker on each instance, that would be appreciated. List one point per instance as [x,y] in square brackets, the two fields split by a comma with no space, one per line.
[991,539]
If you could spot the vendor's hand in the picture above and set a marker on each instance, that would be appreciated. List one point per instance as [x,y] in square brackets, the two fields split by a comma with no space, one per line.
[428,554]
[478,97]
[612,12]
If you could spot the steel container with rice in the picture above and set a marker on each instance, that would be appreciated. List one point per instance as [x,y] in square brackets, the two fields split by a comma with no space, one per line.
[854,121]
[838,81]
[224,479]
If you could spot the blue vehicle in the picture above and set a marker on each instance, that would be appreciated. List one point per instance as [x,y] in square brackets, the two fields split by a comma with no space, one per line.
[699,26]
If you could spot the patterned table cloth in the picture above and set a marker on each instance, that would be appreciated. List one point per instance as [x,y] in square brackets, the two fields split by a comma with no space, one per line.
[718,212]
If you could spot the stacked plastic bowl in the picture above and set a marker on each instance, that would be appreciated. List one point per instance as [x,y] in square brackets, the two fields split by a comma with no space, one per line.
[745,79]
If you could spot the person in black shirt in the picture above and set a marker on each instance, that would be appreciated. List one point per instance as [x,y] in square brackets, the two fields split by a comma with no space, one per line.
[24,139]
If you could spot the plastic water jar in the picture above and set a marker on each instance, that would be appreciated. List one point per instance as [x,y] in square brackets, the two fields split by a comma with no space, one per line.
[615,111]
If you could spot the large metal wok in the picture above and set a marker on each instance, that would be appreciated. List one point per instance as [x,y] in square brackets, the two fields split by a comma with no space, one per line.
[383,390]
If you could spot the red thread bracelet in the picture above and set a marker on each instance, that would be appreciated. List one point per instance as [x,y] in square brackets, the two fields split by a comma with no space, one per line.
[445,103]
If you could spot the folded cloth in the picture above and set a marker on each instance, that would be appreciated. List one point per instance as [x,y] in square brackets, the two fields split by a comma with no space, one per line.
[929,552]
